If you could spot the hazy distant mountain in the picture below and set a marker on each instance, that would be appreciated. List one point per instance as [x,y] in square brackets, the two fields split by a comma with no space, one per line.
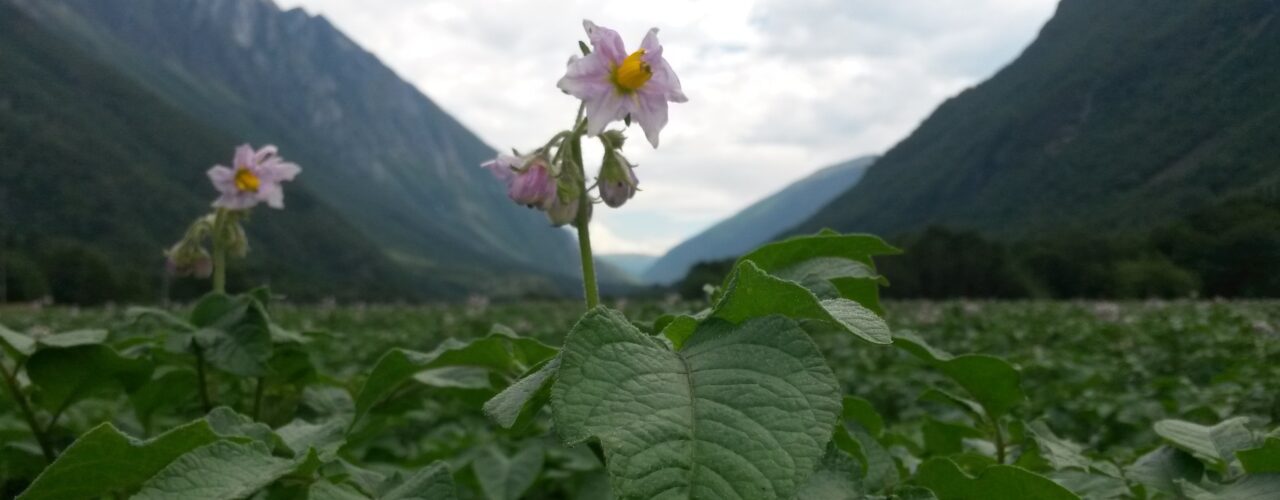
[1120,116]
[376,150]
[98,176]
[634,264]
[760,222]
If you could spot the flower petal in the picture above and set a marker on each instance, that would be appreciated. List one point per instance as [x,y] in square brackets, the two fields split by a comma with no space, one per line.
[586,77]
[651,113]
[275,170]
[272,194]
[664,78]
[504,166]
[603,110]
[266,152]
[223,179]
[605,42]
[245,157]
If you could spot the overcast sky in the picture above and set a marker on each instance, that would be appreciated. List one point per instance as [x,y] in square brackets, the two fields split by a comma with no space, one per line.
[777,88]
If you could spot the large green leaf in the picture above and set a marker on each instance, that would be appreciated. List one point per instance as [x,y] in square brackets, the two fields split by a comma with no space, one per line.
[497,351]
[877,469]
[324,490]
[992,381]
[326,437]
[433,482]
[519,402]
[835,479]
[72,338]
[105,461]
[859,410]
[753,293]
[1089,485]
[16,344]
[1164,468]
[169,387]
[234,333]
[1263,459]
[162,316]
[1054,452]
[832,277]
[1250,487]
[217,471]
[1216,444]
[65,375]
[948,482]
[227,423]
[739,412]
[507,478]
[781,254]
[241,349]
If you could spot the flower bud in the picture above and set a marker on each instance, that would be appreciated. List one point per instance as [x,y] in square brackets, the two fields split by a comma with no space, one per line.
[187,259]
[617,181]
[563,212]
[531,180]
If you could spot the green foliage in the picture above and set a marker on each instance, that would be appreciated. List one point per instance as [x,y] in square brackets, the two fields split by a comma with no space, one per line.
[948,482]
[752,293]
[711,420]
[118,462]
[218,470]
[754,397]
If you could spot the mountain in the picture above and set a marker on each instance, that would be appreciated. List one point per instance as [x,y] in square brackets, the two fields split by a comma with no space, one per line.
[759,222]
[98,176]
[1120,116]
[382,155]
[634,264]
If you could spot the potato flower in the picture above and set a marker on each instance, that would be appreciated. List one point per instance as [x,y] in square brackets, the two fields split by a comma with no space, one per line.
[254,177]
[614,84]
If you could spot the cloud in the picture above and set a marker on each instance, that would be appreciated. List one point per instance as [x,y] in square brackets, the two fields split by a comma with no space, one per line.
[777,88]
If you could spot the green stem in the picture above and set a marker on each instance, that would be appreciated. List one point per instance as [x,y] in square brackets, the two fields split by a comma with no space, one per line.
[11,382]
[995,424]
[219,253]
[583,224]
[257,398]
[200,377]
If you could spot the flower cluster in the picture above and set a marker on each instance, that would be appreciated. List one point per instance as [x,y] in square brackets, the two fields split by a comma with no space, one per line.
[613,85]
[255,178]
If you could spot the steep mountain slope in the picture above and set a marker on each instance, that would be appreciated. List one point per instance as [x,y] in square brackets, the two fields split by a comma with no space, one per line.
[377,150]
[96,166]
[759,222]
[1119,116]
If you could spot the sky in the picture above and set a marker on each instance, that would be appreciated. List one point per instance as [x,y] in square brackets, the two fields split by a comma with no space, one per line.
[777,88]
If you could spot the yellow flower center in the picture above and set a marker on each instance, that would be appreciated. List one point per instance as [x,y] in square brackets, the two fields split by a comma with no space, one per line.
[633,73]
[246,180]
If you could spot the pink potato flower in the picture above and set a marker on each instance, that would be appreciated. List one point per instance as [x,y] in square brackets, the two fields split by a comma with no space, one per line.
[254,177]
[530,181]
[613,84]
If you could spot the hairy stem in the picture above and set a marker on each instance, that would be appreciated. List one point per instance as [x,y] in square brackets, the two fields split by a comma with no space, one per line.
[219,253]
[583,224]
[257,398]
[11,383]
[201,379]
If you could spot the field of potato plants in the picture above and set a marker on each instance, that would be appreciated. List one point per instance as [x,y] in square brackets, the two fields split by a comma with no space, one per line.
[791,380]
[786,383]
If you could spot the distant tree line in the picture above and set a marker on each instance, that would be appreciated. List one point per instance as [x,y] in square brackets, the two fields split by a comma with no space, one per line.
[1227,250]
